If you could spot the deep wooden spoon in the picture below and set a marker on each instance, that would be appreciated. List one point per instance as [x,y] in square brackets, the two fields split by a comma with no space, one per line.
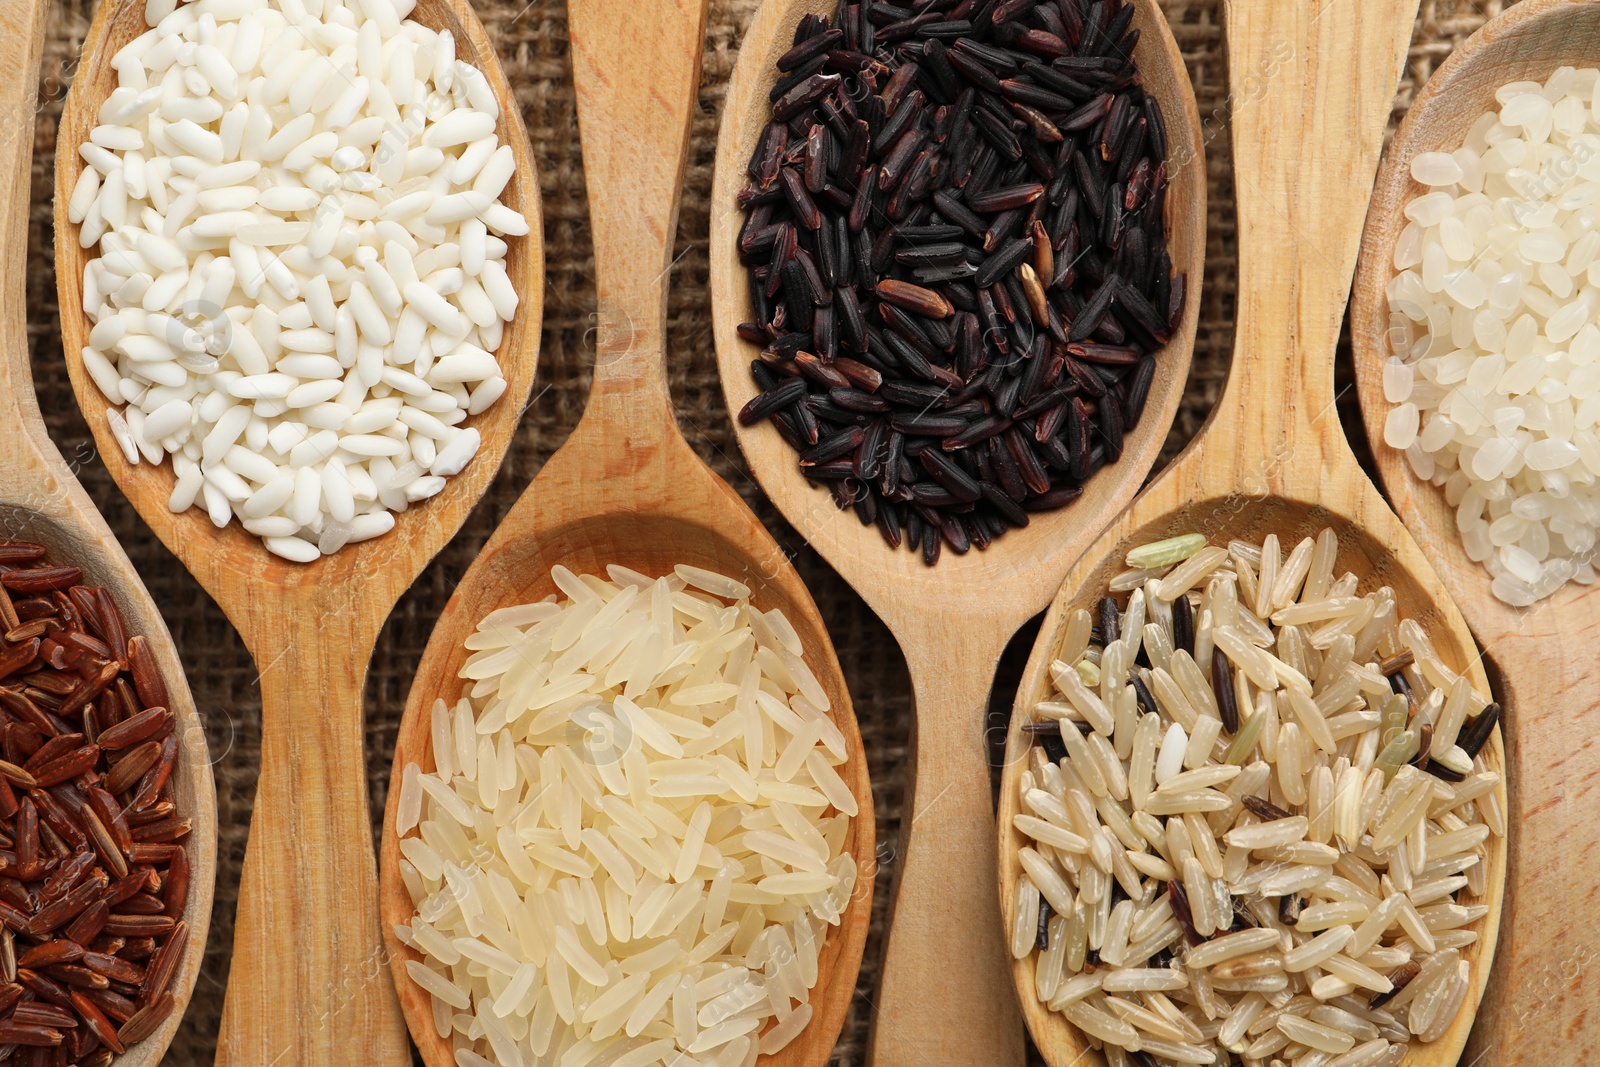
[1312,85]
[41,501]
[626,488]
[1539,1006]
[307,981]
[943,995]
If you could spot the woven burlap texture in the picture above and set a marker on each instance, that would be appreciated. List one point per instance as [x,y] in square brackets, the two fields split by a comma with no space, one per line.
[532,42]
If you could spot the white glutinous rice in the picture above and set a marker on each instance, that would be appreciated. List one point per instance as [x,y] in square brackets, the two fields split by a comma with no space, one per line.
[301,276]
[631,846]
[1282,857]
[1494,335]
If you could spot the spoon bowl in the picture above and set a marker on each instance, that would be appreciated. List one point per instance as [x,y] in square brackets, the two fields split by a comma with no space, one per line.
[41,501]
[306,981]
[515,569]
[1272,457]
[626,488]
[952,620]
[1364,552]
[148,486]
[1542,657]
[1056,535]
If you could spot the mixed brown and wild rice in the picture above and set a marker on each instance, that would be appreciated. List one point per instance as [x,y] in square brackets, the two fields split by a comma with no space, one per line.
[1254,797]
[631,844]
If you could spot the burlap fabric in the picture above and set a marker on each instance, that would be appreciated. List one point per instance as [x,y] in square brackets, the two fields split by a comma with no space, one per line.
[531,36]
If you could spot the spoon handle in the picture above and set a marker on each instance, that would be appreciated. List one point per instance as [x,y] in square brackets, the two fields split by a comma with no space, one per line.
[945,996]
[635,67]
[1538,1007]
[308,981]
[35,480]
[1312,85]
[23,441]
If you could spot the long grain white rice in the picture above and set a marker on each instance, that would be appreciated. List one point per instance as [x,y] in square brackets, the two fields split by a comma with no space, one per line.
[647,877]
[1206,834]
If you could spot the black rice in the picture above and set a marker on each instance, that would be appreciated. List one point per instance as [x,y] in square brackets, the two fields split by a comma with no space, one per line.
[1472,738]
[956,242]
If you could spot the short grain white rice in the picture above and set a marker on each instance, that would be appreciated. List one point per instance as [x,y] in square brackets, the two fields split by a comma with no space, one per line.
[1494,336]
[297,295]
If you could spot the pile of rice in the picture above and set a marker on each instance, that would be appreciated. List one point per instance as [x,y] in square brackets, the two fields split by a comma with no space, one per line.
[1494,328]
[631,845]
[1254,800]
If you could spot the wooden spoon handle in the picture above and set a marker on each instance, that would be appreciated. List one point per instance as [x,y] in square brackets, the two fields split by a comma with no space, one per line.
[1312,83]
[43,501]
[946,996]
[1539,1006]
[22,25]
[309,981]
[635,67]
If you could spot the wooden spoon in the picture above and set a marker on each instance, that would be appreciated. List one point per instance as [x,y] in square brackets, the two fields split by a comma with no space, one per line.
[307,970]
[41,501]
[626,488]
[1312,85]
[942,998]
[1539,1005]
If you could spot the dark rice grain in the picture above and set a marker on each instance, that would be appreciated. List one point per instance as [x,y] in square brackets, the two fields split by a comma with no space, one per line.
[956,242]
[93,879]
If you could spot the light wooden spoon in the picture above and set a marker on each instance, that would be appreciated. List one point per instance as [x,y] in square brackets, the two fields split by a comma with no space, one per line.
[626,488]
[307,981]
[1312,84]
[41,501]
[1539,1006]
[942,998]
